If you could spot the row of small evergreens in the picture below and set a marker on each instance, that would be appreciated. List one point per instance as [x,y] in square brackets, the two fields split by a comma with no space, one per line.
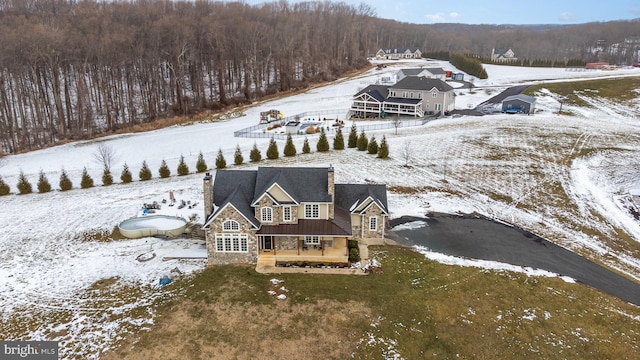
[468,63]
[358,141]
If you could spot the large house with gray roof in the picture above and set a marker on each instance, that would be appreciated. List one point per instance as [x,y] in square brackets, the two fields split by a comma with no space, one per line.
[289,214]
[503,55]
[399,53]
[414,96]
[432,73]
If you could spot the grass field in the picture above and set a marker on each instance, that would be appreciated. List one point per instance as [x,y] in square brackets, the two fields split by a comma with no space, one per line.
[619,90]
[413,309]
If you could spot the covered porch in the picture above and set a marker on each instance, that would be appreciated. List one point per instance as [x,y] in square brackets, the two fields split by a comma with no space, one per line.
[307,240]
[312,248]
[404,107]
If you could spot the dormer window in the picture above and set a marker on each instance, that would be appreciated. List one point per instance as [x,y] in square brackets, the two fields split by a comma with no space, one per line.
[434,94]
[266,214]
[230,225]
[312,211]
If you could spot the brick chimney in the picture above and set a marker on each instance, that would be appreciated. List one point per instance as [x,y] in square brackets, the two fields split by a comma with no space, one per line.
[331,189]
[208,196]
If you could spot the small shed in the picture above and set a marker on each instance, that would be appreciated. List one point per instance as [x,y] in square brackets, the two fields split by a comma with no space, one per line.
[292,127]
[457,76]
[519,104]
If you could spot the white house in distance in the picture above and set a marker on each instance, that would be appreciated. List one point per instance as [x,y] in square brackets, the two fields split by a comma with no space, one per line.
[399,53]
[501,55]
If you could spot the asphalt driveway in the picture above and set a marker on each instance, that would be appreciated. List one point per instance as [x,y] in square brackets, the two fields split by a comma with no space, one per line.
[480,238]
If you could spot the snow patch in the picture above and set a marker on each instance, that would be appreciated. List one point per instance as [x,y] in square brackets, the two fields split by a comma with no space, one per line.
[484,264]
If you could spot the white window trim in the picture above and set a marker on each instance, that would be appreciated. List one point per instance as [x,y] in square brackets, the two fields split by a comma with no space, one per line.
[312,239]
[232,243]
[266,214]
[309,214]
[373,223]
[434,94]
[230,225]
[285,210]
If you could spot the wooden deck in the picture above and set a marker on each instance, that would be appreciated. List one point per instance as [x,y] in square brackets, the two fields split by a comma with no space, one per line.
[267,262]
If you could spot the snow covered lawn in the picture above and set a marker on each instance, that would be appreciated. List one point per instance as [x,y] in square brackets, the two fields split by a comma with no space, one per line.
[562,177]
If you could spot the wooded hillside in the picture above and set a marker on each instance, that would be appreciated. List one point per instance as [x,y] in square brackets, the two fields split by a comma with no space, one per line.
[74,69]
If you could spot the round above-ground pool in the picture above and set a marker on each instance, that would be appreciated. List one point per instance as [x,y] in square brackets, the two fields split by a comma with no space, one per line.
[152,225]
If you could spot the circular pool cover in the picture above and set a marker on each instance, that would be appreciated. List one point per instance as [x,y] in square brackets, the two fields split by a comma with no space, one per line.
[152,225]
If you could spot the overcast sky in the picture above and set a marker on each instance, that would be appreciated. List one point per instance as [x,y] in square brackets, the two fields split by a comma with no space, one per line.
[499,11]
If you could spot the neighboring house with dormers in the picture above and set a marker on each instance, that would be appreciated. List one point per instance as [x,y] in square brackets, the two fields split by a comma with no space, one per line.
[399,53]
[502,55]
[411,96]
[289,214]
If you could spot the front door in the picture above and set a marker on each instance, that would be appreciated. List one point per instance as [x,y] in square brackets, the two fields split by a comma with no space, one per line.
[267,243]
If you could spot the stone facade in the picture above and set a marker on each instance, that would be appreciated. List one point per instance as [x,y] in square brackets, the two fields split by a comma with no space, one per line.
[360,225]
[356,227]
[286,243]
[379,232]
[208,195]
[267,202]
[247,213]
[220,258]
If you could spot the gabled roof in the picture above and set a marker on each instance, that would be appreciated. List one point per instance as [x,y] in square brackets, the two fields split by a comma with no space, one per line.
[378,92]
[421,83]
[501,51]
[436,71]
[398,50]
[292,200]
[303,184]
[411,72]
[418,71]
[521,97]
[349,196]
[234,187]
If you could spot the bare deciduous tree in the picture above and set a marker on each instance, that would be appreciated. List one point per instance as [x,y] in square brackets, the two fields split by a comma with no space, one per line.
[396,123]
[105,155]
[407,153]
